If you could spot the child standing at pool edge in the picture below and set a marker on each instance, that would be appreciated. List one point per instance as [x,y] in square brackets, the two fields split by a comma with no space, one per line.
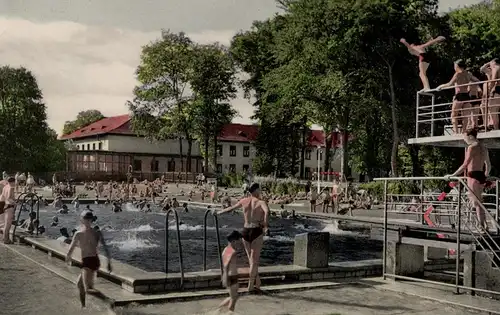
[230,271]
[88,239]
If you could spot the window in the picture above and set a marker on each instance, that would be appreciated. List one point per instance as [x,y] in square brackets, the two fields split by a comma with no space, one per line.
[232,150]
[93,146]
[188,166]
[219,168]
[307,172]
[88,146]
[246,151]
[77,147]
[319,154]
[308,154]
[155,166]
[232,168]
[219,150]
[171,166]
[245,167]
[100,145]
[137,167]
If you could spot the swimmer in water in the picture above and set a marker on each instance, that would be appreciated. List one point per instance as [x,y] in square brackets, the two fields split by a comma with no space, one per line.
[63,210]
[185,207]
[230,271]
[55,221]
[88,239]
[76,203]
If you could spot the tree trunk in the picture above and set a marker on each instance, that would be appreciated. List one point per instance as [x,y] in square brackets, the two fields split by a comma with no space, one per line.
[303,151]
[415,160]
[206,141]
[215,153]
[188,157]
[395,132]
[328,147]
[181,154]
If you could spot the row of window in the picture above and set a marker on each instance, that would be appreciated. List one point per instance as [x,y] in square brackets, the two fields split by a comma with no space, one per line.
[232,150]
[87,146]
[232,168]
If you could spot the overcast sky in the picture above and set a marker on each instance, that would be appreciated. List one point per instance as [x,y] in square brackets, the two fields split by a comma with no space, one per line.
[84,52]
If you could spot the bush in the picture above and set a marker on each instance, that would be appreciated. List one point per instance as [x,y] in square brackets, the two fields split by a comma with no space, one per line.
[231,180]
[279,186]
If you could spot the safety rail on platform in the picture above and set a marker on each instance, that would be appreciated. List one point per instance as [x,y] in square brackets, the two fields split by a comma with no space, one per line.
[430,115]
[34,200]
[488,243]
[179,245]
[219,248]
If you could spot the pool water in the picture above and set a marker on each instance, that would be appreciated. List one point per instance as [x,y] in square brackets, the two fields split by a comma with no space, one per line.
[138,238]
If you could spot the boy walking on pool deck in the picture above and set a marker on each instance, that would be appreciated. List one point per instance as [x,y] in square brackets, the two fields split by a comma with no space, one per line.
[230,271]
[88,239]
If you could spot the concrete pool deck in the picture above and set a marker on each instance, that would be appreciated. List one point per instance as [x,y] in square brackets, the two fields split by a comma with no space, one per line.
[24,284]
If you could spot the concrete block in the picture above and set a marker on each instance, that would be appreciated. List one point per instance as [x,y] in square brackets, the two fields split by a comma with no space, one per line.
[469,269]
[317,276]
[405,259]
[311,250]
[432,253]
[141,288]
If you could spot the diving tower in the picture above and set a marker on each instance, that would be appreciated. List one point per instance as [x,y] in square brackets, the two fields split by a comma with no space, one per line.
[433,124]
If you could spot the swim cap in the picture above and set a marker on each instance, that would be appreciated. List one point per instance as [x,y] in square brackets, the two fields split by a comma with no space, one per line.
[87,215]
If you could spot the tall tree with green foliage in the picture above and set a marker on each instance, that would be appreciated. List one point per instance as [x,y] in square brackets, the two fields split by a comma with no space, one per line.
[83,119]
[214,83]
[160,105]
[25,140]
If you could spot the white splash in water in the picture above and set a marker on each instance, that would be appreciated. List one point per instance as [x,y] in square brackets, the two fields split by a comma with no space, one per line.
[303,227]
[186,227]
[141,228]
[132,243]
[332,227]
[130,207]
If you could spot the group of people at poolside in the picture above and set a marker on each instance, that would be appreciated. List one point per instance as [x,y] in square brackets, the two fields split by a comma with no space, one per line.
[473,101]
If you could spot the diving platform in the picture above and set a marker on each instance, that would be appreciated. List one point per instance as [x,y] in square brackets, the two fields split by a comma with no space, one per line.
[433,123]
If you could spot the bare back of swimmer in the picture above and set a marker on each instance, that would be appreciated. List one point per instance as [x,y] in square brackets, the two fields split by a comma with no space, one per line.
[476,158]
[256,225]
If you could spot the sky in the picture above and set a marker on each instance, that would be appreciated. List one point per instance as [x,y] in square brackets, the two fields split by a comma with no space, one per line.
[84,52]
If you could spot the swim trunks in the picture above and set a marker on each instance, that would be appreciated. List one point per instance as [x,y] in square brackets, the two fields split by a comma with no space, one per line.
[462,97]
[427,57]
[251,234]
[93,263]
[477,175]
[232,280]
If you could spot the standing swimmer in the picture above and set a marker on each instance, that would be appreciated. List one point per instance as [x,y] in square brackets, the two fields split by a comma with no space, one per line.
[230,271]
[88,239]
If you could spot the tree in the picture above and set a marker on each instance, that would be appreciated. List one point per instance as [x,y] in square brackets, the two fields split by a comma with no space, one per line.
[213,82]
[83,119]
[55,158]
[160,104]
[24,136]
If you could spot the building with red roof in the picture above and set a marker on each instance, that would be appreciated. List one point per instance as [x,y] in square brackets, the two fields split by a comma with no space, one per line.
[108,148]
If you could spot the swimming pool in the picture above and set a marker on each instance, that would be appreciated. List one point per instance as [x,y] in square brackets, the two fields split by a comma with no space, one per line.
[137,238]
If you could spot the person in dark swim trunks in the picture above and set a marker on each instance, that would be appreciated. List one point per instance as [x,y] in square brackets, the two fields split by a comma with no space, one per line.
[230,271]
[476,158]
[88,239]
[461,102]
[425,58]
[256,216]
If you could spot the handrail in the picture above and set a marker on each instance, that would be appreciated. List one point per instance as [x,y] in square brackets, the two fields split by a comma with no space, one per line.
[219,248]
[181,263]
[456,86]
[34,198]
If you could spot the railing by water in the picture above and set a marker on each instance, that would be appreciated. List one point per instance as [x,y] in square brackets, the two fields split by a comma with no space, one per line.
[482,239]
[434,119]
[219,248]
[179,245]
[27,199]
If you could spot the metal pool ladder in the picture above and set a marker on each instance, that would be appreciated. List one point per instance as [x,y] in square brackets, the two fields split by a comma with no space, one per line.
[27,198]
[219,249]
[181,263]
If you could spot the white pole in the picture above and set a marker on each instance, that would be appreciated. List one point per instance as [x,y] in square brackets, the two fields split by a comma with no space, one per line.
[319,166]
